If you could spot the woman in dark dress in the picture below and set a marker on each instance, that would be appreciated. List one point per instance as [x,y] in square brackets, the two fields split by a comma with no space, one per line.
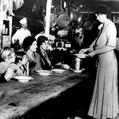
[30,46]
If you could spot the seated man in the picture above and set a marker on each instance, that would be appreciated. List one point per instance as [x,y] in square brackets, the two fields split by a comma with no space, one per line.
[8,59]
[42,43]
[51,38]
[22,63]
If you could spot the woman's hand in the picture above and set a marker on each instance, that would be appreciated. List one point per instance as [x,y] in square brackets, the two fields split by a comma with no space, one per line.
[83,50]
[91,54]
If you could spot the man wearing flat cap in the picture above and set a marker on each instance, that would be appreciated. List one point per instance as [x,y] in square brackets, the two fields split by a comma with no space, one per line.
[42,43]
[22,33]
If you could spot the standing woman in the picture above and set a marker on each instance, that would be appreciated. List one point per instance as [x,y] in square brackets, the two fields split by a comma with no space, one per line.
[104,103]
[30,46]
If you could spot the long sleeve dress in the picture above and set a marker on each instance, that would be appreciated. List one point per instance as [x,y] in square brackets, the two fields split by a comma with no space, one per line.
[34,63]
[104,103]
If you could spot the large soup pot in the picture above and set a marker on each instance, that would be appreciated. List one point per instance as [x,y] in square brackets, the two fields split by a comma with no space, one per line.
[63,20]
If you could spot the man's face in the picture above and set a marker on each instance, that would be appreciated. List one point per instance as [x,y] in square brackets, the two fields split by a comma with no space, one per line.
[11,58]
[25,25]
[44,45]
[24,60]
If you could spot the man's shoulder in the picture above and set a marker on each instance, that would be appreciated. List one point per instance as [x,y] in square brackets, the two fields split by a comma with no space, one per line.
[3,63]
[19,31]
[3,67]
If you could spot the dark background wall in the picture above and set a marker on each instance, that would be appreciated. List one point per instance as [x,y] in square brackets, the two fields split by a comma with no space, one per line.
[35,18]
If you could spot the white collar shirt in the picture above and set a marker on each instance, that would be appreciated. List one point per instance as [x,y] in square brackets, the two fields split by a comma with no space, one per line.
[20,35]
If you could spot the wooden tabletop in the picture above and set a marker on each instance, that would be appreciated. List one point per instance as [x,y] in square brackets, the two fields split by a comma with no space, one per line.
[17,98]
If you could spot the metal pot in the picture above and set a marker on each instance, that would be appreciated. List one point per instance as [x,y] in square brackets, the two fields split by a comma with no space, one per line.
[87,25]
[63,20]
[63,17]
[77,63]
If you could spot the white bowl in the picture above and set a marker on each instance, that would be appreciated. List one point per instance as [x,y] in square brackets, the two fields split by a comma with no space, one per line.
[81,55]
[58,70]
[43,72]
[65,66]
[23,78]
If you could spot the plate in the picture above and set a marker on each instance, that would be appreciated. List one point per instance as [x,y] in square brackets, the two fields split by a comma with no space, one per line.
[58,70]
[77,71]
[65,66]
[43,72]
[81,55]
[23,78]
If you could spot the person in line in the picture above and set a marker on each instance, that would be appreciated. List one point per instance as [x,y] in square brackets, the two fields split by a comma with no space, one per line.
[20,67]
[104,103]
[21,34]
[8,58]
[22,62]
[13,65]
[42,43]
[51,36]
[30,46]
[51,39]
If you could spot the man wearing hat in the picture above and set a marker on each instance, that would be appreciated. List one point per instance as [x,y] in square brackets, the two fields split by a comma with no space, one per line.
[22,33]
[42,43]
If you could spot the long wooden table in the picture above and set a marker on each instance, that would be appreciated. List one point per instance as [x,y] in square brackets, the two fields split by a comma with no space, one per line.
[17,99]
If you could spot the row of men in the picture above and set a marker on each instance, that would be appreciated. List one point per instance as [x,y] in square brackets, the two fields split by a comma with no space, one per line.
[25,61]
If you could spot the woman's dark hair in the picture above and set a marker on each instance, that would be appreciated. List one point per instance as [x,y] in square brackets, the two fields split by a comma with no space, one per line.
[41,39]
[103,9]
[19,56]
[28,42]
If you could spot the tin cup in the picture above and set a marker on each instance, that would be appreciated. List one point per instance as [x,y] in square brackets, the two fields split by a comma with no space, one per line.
[77,63]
